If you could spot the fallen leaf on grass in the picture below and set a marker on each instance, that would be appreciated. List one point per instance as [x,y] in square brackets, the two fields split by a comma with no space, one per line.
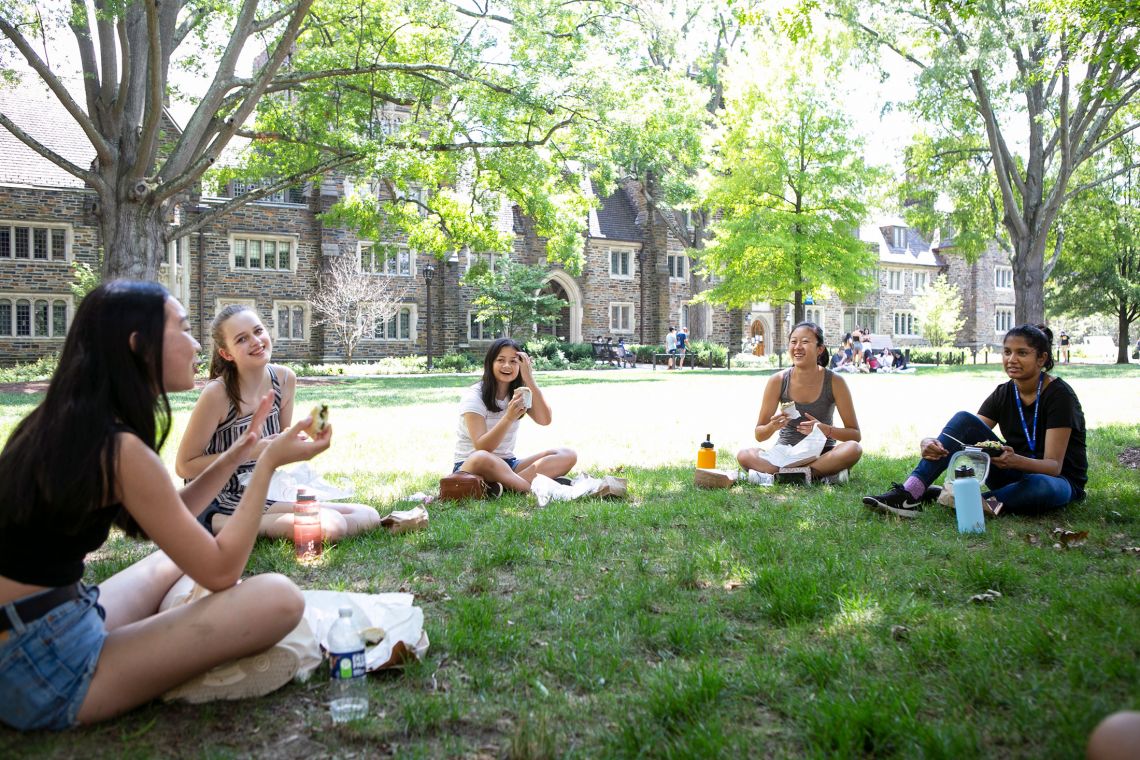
[1032,539]
[989,596]
[1130,549]
[1069,538]
[733,585]
[900,632]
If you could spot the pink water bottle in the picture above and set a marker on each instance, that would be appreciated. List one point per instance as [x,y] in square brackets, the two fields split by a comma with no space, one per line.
[307,539]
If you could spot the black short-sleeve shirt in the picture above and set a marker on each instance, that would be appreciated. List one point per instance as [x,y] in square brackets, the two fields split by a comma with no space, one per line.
[1059,408]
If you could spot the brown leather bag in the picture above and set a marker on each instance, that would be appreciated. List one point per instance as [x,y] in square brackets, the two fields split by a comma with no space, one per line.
[462,485]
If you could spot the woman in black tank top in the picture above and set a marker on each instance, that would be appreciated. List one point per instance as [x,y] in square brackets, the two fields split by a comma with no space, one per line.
[815,392]
[88,455]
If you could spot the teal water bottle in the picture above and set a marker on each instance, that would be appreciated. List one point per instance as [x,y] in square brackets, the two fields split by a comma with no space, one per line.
[968,501]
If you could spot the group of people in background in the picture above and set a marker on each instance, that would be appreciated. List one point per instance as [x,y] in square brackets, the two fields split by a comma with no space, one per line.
[73,654]
[677,345]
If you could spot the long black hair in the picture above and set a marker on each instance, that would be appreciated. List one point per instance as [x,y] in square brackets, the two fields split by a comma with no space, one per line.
[489,382]
[1039,337]
[59,463]
[824,358]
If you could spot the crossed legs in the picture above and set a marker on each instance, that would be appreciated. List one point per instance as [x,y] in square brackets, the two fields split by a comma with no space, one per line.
[843,456]
[552,463]
[147,652]
[338,520]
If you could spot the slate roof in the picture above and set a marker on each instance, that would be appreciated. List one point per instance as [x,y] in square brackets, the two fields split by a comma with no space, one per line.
[42,116]
[917,251]
[616,219]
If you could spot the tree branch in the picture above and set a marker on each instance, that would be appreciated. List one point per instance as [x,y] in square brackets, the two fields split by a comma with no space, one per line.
[1052,262]
[89,177]
[877,37]
[153,109]
[1097,182]
[81,29]
[208,217]
[102,148]
[270,20]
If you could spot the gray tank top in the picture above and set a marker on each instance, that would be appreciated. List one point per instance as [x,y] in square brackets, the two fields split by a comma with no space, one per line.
[823,409]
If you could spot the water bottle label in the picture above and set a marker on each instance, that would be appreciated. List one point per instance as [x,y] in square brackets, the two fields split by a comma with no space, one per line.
[347,665]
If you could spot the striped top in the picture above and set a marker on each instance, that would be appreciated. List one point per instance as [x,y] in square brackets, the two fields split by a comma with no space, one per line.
[233,428]
[823,409]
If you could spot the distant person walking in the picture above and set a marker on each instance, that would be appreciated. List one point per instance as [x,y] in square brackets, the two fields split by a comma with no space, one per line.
[671,344]
[1064,343]
[682,345]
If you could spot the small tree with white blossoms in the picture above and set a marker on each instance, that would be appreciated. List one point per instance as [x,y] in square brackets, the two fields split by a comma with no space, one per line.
[351,301]
[937,310]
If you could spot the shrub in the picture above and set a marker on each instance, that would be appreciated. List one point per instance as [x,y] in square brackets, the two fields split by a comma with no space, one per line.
[704,348]
[457,363]
[578,352]
[40,369]
[645,353]
[557,361]
[938,354]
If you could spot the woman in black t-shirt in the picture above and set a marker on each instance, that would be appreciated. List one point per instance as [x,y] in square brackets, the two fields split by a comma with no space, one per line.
[1042,465]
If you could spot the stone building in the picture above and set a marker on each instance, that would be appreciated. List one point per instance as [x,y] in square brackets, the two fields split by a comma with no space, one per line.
[635,283]
[907,264]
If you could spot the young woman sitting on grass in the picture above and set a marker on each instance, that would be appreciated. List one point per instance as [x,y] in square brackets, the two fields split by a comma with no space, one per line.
[489,415]
[240,375]
[1042,465]
[816,392]
[86,457]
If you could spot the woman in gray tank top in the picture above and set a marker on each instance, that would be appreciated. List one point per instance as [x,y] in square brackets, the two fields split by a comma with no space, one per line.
[815,392]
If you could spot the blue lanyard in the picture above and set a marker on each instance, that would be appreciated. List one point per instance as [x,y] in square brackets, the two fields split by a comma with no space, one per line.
[1031,439]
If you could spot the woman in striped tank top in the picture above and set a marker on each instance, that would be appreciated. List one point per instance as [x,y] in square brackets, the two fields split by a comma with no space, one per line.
[240,374]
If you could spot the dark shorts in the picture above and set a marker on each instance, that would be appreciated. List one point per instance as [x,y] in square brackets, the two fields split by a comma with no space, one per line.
[46,665]
[511,461]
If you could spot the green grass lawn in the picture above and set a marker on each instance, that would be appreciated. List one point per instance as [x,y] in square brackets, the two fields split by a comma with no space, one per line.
[687,623]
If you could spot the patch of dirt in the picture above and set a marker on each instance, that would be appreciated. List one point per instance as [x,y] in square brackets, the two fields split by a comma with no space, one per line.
[1129,458]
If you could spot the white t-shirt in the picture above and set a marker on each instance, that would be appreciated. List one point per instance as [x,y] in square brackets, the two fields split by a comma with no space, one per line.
[472,401]
[670,342]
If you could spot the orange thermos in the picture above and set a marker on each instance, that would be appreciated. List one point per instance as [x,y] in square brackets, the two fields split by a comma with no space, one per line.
[706,454]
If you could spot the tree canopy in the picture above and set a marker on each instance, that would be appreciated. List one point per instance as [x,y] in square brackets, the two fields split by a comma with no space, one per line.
[510,98]
[1099,268]
[1016,96]
[791,188]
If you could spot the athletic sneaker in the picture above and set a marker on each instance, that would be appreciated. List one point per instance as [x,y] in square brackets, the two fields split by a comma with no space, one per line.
[494,490]
[564,480]
[898,501]
[837,479]
[253,676]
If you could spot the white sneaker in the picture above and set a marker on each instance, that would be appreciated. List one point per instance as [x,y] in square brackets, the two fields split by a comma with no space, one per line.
[253,676]
[757,478]
[837,479]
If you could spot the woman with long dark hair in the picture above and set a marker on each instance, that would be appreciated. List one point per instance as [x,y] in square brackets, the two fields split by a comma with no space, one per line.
[87,457]
[489,415]
[1042,464]
[816,393]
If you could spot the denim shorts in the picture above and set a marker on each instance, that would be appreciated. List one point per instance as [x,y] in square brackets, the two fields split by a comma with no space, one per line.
[512,462]
[46,666]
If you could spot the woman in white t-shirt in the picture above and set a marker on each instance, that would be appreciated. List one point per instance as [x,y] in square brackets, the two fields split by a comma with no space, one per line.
[489,415]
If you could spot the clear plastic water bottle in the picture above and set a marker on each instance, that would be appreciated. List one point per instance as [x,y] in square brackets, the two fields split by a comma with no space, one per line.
[349,692]
[968,501]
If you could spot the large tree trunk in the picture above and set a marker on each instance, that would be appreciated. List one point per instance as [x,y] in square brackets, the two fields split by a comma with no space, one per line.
[134,239]
[1029,279]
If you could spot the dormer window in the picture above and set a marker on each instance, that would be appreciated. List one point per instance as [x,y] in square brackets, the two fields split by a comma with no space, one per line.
[899,236]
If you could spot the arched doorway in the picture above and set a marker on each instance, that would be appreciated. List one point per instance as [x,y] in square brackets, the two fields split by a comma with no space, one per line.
[757,334]
[569,324]
[561,328]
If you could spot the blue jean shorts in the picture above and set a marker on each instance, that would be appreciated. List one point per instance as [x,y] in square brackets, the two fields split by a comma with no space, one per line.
[46,666]
[512,462]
